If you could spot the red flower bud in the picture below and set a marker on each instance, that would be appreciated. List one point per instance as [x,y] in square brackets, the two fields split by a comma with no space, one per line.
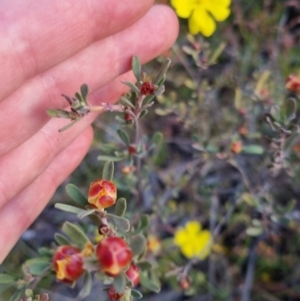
[113,254]
[133,274]
[293,83]
[236,147]
[131,149]
[102,194]
[113,295]
[127,117]
[68,264]
[147,88]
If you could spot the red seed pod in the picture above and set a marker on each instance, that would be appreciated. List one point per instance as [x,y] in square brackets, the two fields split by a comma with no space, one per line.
[68,263]
[102,194]
[147,88]
[184,283]
[104,229]
[113,295]
[133,274]
[113,254]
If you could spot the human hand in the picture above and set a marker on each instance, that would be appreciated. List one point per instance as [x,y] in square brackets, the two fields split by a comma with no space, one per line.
[52,47]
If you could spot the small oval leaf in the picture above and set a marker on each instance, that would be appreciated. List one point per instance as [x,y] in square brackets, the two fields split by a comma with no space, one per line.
[144,265]
[36,266]
[124,137]
[132,86]
[143,223]
[68,208]
[108,171]
[109,158]
[86,286]
[121,223]
[138,244]
[84,90]
[120,207]
[136,294]
[76,235]
[136,68]
[120,283]
[61,239]
[6,278]
[157,138]
[76,195]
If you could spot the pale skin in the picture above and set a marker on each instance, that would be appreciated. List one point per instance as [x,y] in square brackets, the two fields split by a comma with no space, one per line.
[52,47]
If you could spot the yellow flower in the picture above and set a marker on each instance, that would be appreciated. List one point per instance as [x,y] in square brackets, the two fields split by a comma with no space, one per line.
[192,241]
[153,244]
[202,14]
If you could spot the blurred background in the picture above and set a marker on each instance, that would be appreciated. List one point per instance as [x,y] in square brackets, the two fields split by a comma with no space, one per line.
[229,159]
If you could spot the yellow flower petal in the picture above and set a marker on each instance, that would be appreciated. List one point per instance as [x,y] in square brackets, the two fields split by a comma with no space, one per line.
[220,13]
[225,3]
[201,21]
[188,250]
[180,237]
[204,244]
[184,8]
[192,228]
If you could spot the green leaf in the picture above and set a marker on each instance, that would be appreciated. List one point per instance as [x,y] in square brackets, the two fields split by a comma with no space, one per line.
[162,72]
[61,239]
[144,265]
[121,223]
[58,113]
[68,208]
[289,206]
[69,125]
[95,219]
[120,283]
[143,114]
[132,86]
[136,68]
[120,207]
[126,102]
[157,138]
[250,200]
[124,137]
[108,171]
[75,234]
[136,294]
[254,231]
[288,110]
[86,286]
[17,295]
[149,283]
[159,91]
[85,213]
[45,252]
[253,149]
[76,195]
[138,244]
[84,89]
[36,266]
[109,158]
[79,97]
[6,278]
[143,223]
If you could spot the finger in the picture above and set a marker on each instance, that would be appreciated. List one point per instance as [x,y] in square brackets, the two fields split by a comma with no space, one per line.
[37,35]
[18,214]
[96,66]
[25,163]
